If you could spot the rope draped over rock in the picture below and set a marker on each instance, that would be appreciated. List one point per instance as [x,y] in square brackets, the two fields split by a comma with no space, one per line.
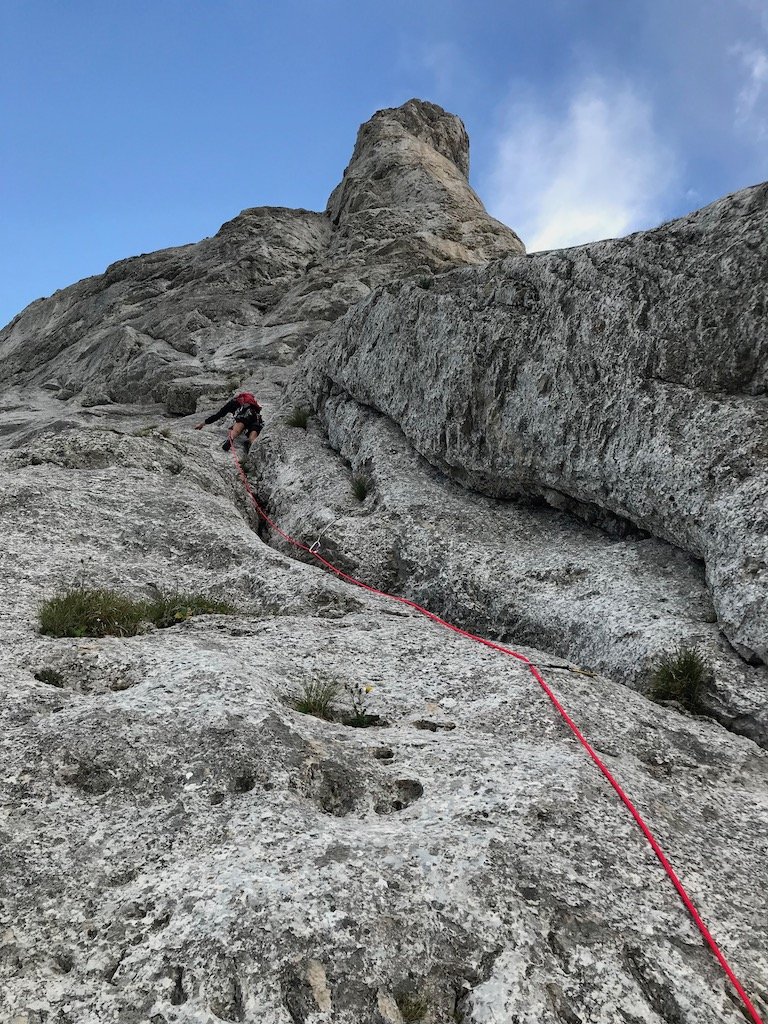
[532,668]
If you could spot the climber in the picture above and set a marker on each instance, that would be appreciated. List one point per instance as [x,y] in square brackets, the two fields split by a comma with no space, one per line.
[247,412]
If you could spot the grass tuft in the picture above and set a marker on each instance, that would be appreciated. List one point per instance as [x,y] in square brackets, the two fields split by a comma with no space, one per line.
[318,697]
[299,417]
[412,1007]
[99,612]
[170,608]
[81,612]
[680,676]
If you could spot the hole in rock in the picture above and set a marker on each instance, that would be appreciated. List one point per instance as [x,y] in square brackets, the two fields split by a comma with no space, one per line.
[50,676]
[229,1003]
[364,721]
[178,995]
[92,780]
[407,791]
[64,961]
[243,783]
[110,972]
[331,786]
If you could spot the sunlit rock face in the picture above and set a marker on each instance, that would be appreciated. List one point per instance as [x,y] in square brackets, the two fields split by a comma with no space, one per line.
[502,438]
[626,378]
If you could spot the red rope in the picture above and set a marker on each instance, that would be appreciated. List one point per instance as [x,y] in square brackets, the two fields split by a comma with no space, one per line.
[563,713]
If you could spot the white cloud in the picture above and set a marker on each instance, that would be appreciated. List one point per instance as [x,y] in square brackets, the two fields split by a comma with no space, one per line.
[599,170]
[444,62]
[437,70]
[752,99]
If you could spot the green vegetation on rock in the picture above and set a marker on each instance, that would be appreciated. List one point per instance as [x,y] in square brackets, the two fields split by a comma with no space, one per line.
[97,612]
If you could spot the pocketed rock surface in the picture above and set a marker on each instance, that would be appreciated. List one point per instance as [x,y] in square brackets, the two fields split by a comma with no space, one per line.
[177,842]
[179,845]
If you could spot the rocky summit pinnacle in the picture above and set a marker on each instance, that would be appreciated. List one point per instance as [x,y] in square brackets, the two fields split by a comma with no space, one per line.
[566,452]
[408,176]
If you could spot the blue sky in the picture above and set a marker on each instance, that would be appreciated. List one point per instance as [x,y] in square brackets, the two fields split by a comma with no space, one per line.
[133,125]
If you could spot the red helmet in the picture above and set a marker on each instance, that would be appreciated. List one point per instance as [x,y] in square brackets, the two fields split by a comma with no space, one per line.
[246,398]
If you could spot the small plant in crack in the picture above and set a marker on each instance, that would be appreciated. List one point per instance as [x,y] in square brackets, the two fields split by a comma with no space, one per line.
[168,608]
[361,717]
[317,697]
[412,1007]
[360,487]
[299,417]
[680,676]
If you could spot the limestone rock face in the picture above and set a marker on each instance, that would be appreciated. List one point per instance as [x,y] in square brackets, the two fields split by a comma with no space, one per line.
[626,377]
[152,318]
[262,287]
[179,844]
[613,602]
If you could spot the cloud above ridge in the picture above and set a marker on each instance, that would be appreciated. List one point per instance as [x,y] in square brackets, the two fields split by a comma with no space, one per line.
[752,100]
[596,170]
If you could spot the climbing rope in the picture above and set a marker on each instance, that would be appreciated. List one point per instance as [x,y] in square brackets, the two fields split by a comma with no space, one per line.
[665,863]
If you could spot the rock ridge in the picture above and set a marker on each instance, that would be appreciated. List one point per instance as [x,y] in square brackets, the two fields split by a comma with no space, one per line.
[550,375]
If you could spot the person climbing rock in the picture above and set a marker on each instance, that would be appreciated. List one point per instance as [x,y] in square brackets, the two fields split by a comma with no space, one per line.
[247,413]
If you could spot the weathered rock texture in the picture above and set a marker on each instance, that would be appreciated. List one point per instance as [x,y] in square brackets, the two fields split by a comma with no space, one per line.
[626,377]
[177,844]
[125,334]
[613,603]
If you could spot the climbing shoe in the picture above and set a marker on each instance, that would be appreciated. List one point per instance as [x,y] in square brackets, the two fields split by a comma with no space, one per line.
[227,445]
[246,447]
